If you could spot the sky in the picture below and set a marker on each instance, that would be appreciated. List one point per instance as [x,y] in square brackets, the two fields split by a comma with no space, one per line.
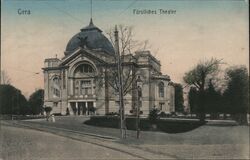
[199,30]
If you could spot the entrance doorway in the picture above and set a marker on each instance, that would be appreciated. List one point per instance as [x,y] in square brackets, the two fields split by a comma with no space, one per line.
[73,107]
[82,108]
[90,109]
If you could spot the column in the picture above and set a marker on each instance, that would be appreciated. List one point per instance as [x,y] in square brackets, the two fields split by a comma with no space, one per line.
[92,85]
[69,107]
[87,107]
[77,111]
[71,87]
[94,105]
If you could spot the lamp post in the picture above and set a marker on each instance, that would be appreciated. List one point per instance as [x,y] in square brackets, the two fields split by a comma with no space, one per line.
[139,95]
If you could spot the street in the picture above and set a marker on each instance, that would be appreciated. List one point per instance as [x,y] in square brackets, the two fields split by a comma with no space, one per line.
[69,138]
[19,143]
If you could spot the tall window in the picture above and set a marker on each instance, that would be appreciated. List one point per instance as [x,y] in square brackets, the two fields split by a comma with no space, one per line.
[161,89]
[161,105]
[56,87]
[86,87]
[64,81]
[76,87]
[55,104]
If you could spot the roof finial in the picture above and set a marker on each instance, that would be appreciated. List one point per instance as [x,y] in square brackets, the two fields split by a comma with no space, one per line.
[91,9]
[91,22]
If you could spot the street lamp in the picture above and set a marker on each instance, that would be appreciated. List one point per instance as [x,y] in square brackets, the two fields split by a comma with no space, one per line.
[139,96]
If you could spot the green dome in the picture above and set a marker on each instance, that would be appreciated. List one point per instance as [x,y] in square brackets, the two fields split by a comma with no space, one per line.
[92,38]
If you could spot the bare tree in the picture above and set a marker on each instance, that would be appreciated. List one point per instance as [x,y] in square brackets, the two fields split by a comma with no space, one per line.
[127,43]
[128,46]
[122,78]
[5,79]
[201,73]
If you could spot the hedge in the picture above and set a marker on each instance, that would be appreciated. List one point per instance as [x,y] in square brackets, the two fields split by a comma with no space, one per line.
[164,125]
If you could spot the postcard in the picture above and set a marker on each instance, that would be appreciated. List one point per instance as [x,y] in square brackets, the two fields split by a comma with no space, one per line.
[132,79]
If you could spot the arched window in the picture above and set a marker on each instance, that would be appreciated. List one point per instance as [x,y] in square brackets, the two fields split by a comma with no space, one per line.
[84,82]
[56,87]
[84,68]
[161,89]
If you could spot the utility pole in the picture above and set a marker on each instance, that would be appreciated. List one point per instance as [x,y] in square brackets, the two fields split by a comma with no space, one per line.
[120,79]
[0,68]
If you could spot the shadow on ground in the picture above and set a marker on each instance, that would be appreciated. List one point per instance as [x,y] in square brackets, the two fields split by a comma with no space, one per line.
[163,125]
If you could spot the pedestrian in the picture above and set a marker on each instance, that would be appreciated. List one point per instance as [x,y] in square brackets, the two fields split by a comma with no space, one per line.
[53,118]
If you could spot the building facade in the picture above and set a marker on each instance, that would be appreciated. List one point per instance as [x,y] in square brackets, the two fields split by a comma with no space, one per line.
[85,80]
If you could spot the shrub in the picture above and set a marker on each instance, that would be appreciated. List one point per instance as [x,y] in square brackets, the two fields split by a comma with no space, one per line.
[153,115]
[164,125]
[173,114]
[57,114]
[163,114]
[92,109]
[134,112]
[112,114]
[47,109]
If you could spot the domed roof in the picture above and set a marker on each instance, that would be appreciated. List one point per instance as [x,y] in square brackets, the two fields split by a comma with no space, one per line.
[91,37]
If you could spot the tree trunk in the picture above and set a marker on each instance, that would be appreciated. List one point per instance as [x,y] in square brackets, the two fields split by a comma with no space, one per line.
[201,105]
[106,93]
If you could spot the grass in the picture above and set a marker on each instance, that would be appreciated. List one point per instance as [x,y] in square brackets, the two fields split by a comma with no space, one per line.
[20,117]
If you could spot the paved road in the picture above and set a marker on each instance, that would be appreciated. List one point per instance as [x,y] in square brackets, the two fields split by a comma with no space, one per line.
[19,143]
[209,142]
[10,138]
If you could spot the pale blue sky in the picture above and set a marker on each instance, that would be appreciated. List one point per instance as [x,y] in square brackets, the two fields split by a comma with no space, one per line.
[199,30]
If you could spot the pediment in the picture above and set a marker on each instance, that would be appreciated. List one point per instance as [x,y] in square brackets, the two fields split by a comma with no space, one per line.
[94,56]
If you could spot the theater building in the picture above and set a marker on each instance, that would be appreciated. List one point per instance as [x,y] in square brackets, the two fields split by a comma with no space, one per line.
[84,81]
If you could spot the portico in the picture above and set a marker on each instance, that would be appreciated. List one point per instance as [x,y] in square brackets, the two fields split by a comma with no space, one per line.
[82,107]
